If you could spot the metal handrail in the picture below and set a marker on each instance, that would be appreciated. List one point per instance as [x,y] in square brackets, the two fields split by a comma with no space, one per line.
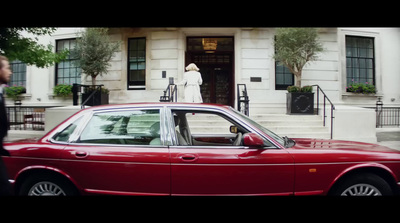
[172,94]
[332,106]
[243,98]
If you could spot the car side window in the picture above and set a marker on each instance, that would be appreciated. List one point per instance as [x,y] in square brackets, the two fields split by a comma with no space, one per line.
[208,123]
[64,135]
[206,128]
[136,127]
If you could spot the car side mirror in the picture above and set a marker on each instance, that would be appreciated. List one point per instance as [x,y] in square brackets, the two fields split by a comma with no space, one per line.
[253,140]
[233,129]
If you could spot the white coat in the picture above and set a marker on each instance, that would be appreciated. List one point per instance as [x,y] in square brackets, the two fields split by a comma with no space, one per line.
[192,81]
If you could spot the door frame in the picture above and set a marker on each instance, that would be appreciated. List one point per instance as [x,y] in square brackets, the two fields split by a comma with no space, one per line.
[189,53]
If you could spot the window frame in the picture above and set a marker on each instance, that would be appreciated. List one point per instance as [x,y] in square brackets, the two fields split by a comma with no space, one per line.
[14,75]
[276,64]
[362,32]
[56,74]
[282,86]
[359,58]
[137,86]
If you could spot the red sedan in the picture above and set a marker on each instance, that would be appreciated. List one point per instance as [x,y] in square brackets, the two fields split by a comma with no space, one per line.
[192,149]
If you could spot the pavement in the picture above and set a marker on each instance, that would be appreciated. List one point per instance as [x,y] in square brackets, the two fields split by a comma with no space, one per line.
[389,137]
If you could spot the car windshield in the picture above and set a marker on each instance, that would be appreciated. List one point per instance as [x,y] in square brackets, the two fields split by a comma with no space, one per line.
[262,128]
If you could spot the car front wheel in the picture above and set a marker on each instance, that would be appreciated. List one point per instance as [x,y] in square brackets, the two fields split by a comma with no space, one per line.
[366,184]
[42,185]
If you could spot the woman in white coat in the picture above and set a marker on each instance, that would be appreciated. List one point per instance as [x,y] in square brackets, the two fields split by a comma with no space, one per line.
[192,81]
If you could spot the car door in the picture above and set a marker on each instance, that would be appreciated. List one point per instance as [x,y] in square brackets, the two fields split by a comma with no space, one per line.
[120,152]
[229,169]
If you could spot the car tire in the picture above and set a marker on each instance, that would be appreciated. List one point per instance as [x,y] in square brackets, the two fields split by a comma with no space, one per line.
[365,184]
[47,185]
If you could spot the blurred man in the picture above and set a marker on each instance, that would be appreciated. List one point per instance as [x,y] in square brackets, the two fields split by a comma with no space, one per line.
[5,75]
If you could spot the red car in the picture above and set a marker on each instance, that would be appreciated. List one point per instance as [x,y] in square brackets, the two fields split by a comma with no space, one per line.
[192,149]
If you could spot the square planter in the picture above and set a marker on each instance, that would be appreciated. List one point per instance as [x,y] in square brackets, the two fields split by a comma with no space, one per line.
[300,103]
[97,99]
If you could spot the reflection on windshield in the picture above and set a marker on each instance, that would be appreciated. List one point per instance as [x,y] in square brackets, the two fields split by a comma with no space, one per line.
[262,128]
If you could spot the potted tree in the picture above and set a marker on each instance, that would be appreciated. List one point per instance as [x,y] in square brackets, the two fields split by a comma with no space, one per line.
[294,47]
[300,100]
[93,52]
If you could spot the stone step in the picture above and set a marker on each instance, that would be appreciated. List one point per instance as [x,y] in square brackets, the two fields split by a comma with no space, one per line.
[317,135]
[299,129]
[298,120]
[273,123]
[293,134]
[264,122]
[268,117]
[262,117]
[293,126]
[273,128]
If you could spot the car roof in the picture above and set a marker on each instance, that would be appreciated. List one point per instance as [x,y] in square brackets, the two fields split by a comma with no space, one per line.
[153,104]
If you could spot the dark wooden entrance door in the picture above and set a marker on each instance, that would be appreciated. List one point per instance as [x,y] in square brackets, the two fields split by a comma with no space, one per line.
[216,65]
[217,72]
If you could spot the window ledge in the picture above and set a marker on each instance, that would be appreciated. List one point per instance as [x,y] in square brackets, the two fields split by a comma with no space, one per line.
[358,95]
[53,96]
[23,96]
[27,96]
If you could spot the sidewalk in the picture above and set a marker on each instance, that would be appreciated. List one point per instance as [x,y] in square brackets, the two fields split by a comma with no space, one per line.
[389,137]
[23,134]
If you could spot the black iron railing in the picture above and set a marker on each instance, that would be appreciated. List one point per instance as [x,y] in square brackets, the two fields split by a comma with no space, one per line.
[242,99]
[386,116]
[27,117]
[330,102]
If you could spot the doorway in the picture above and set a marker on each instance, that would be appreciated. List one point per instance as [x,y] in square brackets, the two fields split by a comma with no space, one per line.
[215,62]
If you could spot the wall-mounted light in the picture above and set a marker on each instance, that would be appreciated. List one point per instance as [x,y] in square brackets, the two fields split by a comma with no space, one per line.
[210,44]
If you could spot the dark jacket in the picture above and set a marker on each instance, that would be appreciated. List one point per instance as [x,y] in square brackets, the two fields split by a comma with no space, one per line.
[3,126]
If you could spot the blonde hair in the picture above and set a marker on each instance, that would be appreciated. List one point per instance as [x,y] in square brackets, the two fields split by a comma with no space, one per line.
[191,67]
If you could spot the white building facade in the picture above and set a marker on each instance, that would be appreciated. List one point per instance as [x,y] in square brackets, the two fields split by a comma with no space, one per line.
[149,57]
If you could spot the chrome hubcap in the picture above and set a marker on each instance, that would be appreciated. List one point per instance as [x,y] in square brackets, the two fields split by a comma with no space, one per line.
[361,190]
[46,189]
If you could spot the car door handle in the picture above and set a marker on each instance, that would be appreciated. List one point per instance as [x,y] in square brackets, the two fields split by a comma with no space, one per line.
[188,157]
[81,154]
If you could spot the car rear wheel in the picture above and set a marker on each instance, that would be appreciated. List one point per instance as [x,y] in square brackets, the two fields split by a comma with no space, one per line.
[47,185]
[366,184]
